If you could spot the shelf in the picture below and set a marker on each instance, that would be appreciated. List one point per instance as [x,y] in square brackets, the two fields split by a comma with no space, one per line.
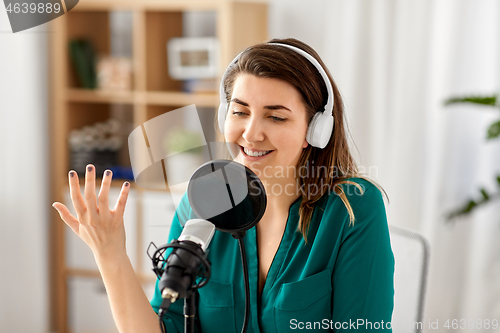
[171,5]
[150,24]
[117,183]
[114,184]
[182,99]
[178,99]
[100,96]
[82,114]
[92,26]
[152,186]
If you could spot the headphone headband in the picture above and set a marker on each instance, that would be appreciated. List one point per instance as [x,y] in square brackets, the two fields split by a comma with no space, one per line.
[321,126]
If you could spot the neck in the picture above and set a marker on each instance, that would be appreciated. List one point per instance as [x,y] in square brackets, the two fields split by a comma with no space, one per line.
[281,193]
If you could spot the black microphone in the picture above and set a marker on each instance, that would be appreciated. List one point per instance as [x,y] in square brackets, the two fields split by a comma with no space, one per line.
[180,269]
[187,259]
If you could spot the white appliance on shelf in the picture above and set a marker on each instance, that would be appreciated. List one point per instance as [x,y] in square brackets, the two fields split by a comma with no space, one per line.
[193,57]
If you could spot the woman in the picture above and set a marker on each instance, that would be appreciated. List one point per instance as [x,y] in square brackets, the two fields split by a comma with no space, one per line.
[320,258]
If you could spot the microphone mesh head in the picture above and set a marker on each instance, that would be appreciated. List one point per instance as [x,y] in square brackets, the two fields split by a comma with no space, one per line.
[198,231]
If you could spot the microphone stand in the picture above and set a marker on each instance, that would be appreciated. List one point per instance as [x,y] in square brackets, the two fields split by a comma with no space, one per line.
[239,237]
[189,311]
[159,261]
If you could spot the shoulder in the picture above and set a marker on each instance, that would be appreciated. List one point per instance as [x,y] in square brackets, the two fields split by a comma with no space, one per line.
[362,200]
[359,192]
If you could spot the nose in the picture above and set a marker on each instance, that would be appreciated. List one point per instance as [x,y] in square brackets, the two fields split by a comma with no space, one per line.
[253,130]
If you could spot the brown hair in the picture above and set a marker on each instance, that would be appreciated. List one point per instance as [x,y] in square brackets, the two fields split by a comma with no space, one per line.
[274,61]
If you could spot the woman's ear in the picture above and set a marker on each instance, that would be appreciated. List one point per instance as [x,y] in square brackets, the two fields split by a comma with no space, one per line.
[305,144]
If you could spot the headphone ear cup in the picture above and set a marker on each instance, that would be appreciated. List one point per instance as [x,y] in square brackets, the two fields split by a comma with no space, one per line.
[320,130]
[221,116]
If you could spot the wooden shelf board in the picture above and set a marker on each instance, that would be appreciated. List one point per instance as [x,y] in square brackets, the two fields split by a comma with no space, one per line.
[182,99]
[167,98]
[100,96]
[171,5]
[117,183]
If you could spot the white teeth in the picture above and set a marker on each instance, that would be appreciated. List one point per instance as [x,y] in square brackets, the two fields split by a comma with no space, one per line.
[256,154]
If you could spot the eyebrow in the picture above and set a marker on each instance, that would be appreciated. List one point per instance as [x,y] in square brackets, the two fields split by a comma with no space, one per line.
[268,107]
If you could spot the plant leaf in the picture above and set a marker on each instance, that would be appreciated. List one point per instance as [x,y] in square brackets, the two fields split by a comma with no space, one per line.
[485,195]
[484,100]
[470,206]
[494,130]
[473,204]
[464,210]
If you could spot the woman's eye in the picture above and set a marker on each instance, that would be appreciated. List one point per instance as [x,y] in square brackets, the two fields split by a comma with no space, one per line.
[277,119]
[273,118]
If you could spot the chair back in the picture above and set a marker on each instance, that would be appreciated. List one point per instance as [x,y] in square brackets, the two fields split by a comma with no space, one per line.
[411,254]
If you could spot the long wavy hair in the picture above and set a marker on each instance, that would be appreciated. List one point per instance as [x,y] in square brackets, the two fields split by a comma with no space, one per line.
[319,170]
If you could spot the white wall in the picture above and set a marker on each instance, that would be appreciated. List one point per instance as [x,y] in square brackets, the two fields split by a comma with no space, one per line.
[23,185]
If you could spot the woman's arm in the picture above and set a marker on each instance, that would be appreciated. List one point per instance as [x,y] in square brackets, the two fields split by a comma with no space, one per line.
[102,229]
[129,305]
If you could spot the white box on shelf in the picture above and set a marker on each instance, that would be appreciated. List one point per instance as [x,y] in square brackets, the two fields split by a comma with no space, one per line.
[193,57]
[158,212]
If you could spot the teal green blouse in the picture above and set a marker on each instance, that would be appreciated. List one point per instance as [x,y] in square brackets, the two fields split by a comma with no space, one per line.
[341,280]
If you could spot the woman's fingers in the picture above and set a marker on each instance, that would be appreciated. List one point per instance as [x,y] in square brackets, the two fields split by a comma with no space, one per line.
[104,192]
[67,217]
[122,199]
[76,195]
[89,192]
[100,228]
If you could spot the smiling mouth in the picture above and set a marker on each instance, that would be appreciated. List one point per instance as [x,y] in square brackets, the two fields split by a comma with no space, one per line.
[255,153]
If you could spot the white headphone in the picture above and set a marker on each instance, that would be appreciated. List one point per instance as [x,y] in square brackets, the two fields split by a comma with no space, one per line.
[321,126]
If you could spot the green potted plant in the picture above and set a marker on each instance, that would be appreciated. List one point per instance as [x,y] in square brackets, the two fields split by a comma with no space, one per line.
[184,149]
[493,132]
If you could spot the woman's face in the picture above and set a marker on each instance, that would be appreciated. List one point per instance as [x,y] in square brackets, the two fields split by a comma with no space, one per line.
[267,120]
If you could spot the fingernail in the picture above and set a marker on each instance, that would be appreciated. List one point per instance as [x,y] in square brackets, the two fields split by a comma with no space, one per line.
[71,173]
[89,168]
[108,173]
[127,183]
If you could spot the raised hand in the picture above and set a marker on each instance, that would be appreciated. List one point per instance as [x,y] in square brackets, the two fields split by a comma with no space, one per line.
[99,227]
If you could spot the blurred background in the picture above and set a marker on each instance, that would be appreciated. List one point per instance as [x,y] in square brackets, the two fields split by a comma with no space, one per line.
[88,78]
